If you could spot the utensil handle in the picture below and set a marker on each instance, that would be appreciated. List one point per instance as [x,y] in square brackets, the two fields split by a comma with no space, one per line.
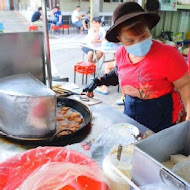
[124,177]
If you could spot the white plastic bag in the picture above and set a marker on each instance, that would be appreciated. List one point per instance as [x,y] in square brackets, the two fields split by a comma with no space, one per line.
[56,175]
[111,136]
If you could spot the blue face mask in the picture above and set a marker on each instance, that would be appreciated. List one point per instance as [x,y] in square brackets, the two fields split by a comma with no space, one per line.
[140,49]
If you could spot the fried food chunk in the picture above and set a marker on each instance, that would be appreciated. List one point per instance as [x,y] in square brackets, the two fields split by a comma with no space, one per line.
[79,119]
[70,118]
[63,124]
[68,121]
[75,114]
[65,108]
[59,118]
[74,127]
[62,112]
[66,115]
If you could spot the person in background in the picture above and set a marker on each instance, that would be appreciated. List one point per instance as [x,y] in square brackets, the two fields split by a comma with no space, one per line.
[121,100]
[96,34]
[152,75]
[77,20]
[87,18]
[56,13]
[109,66]
[37,17]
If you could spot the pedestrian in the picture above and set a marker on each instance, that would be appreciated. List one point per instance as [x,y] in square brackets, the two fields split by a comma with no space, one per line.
[56,13]
[96,34]
[152,75]
[37,17]
[86,18]
[78,21]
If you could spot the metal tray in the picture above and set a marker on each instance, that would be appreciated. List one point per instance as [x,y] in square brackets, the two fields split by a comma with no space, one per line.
[151,152]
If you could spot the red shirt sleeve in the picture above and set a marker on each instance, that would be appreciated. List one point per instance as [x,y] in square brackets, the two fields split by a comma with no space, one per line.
[177,66]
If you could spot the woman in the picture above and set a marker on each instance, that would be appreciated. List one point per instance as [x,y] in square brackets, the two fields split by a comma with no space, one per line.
[148,71]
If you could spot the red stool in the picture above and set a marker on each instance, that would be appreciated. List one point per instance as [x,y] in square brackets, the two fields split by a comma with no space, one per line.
[65,26]
[54,28]
[33,28]
[84,68]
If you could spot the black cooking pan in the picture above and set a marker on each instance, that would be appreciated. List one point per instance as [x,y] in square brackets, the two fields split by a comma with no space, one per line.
[61,101]
[78,106]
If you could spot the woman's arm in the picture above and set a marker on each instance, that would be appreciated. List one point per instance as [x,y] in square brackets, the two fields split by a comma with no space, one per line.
[107,79]
[111,78]
[183,87]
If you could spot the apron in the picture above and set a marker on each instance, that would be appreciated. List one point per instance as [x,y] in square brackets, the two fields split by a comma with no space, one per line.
[156,114]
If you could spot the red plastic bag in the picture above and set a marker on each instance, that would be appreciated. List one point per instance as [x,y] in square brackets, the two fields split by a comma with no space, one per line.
[21,169]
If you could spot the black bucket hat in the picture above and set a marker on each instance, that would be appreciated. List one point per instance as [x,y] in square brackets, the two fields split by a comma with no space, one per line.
[127,11]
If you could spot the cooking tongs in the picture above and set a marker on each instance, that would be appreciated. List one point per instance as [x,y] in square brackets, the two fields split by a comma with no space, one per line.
[65,93]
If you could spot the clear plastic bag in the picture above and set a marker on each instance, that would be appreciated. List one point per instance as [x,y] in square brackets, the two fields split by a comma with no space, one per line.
[50,166]
[182,169]
[110,137]
[56,175]
[123,165]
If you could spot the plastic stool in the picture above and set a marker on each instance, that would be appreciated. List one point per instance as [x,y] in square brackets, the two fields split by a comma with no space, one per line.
[63,27]
[84,68]
[54,28]
[33,28]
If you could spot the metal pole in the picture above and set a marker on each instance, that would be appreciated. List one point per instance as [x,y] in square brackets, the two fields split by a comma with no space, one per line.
[91,11]
[8,5]
[46,43]
[101,5]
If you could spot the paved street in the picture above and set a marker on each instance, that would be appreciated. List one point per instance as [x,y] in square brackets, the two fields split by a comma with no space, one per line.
[65,52]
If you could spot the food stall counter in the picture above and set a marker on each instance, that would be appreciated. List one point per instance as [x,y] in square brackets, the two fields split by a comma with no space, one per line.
[103,116]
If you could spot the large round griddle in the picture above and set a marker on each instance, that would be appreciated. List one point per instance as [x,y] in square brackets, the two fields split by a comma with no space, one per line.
[61,101]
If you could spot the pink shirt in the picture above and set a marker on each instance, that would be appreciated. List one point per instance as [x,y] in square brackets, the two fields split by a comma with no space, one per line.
[152,77]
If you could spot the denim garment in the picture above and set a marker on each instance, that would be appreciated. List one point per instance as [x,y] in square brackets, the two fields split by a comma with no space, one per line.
[156,114]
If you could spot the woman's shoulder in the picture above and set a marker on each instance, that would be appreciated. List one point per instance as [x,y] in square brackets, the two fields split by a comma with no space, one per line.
[163,48]
[166,54]
[121,51]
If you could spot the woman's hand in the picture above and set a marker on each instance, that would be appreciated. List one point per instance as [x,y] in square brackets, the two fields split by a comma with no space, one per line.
[90,94]
[91,86]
